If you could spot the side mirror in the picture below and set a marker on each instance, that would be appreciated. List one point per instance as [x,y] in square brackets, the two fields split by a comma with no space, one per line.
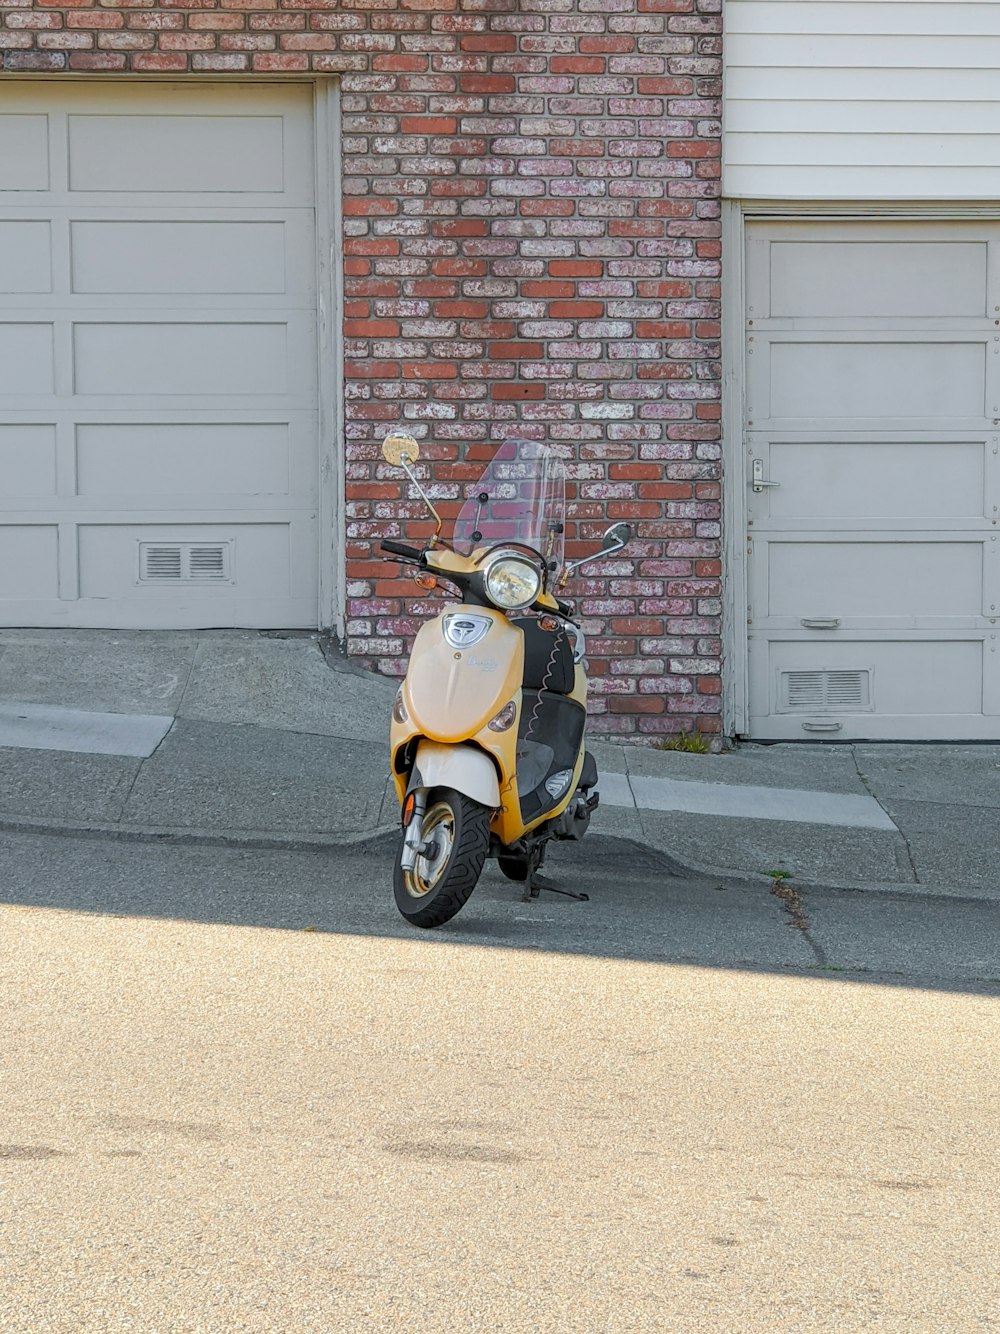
[613,540]
[397,448]
[617,536]
[402,451]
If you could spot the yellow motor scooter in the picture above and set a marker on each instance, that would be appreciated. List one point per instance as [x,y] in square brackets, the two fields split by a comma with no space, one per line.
[487,732]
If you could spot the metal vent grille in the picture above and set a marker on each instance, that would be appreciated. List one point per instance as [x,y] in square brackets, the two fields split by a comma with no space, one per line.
[159,563]
[207,563]
[829,690]
[184,562]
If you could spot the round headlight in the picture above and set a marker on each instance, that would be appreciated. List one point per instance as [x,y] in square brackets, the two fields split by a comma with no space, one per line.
[512,581]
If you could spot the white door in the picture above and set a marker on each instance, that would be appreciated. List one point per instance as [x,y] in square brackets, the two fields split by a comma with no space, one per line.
[873,480]
[158,413]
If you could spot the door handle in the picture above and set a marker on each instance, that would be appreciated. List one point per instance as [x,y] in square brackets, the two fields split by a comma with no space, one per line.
[820,622]
[822,727]
[760,482]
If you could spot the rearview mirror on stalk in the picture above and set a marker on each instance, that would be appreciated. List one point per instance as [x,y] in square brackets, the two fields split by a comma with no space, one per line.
[616,537]
[402,450]
[397,448]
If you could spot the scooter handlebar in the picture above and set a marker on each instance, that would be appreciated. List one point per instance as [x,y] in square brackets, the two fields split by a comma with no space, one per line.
[401,549]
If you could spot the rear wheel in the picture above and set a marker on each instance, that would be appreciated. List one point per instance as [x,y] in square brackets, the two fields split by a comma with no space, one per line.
[456,835]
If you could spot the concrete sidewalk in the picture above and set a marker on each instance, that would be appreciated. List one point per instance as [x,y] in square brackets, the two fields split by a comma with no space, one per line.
[260,738]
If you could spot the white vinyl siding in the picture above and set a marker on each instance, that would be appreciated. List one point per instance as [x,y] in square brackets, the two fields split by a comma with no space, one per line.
[862,99]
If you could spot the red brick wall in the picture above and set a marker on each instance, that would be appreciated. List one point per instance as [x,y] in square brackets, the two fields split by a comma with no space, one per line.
[532,245]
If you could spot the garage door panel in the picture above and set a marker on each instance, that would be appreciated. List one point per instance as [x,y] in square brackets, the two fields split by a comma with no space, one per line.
[27,365]
[873,385]
[210,459]
[27,461]
[889,580]
[158,377]
[180,359]
[25,255]
[204,560]
[178,257]
[885,480]
[29,562]
[844,381]
[859,684]
[24,152]
[875,279]
[182,154]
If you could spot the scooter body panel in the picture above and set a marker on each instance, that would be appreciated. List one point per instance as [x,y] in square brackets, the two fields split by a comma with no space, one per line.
[451,692]
[462,767]
[450,695]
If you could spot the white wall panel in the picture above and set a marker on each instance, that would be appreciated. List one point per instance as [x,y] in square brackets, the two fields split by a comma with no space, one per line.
[25,256]
[872,99]
[175,153]
[892,581]
[824,279]
[180,359]
[157,258]
[109,558]
[877,479]
[26,360]
[24,151]
[209,459]
[847,380]
[27,461]
[29,561]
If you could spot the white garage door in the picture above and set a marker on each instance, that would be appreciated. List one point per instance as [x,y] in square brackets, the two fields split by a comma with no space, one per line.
[158,455]
[873,410]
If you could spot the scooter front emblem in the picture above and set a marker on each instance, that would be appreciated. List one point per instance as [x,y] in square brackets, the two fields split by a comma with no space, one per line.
[462,630]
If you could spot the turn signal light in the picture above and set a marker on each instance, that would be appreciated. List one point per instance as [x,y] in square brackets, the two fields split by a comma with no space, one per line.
[425,579]
[399,713]
[548,623]
[505,718]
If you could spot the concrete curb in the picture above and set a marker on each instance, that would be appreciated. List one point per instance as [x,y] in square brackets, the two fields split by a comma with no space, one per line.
[384,835]
[265,840]
[758,879]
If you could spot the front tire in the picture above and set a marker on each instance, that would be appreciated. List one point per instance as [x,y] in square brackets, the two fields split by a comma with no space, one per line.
[443,878]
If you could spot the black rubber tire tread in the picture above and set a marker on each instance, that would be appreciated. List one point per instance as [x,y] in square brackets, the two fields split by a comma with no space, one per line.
[461,875]
[514,868]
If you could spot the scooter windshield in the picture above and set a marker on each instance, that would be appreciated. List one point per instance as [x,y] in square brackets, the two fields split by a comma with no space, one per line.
[521,497]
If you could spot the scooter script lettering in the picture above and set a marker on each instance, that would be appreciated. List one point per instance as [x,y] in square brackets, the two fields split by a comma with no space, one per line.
[484,664]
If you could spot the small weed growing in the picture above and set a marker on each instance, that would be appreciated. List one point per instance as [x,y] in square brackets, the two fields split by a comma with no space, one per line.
[693,743]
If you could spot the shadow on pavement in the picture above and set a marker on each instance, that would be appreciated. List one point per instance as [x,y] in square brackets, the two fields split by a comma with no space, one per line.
[637,908]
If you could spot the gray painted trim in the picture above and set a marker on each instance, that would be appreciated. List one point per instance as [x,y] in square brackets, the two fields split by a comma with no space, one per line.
[329,351]
[735,705]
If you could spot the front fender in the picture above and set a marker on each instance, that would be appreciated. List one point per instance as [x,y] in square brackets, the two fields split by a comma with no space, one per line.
[464,768]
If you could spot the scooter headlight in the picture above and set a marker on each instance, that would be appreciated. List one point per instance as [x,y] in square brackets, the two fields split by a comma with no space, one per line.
[512,582]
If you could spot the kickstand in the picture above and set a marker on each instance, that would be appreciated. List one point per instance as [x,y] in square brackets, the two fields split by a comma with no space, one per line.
[538,882]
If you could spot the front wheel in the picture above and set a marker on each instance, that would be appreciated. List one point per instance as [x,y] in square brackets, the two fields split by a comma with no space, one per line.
[456,836]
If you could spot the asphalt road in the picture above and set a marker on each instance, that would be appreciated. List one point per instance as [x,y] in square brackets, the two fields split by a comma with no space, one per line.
[237,1092]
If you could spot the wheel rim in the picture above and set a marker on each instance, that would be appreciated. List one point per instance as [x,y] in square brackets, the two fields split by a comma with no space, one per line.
[439,828]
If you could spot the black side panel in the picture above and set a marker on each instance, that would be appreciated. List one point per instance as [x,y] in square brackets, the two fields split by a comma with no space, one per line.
[547,654]
[549,738]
